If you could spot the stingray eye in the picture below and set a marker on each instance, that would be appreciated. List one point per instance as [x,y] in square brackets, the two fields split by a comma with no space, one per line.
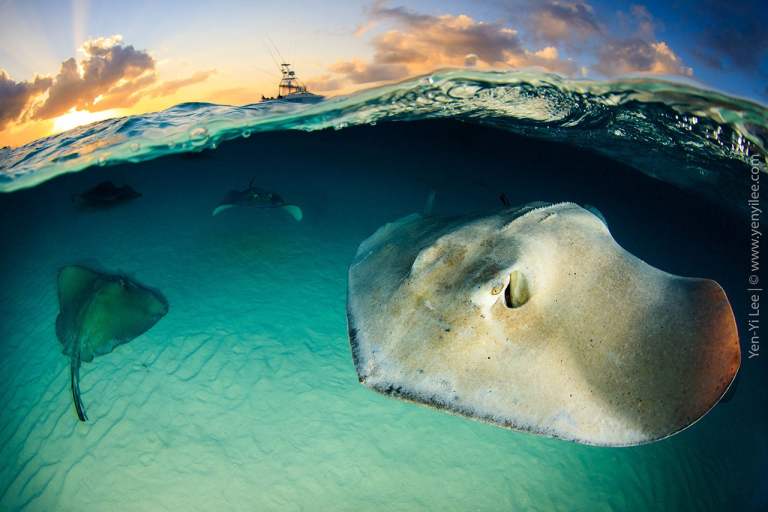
[496,289]
[516,293]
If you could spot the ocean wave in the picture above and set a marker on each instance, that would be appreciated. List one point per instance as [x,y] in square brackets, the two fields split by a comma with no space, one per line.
[696,138]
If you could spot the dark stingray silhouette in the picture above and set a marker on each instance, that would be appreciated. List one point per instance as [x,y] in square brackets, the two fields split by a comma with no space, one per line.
[98,312]
[256,197]
[105,194]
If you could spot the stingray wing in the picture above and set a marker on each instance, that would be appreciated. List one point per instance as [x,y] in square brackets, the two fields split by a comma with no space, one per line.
[98,311]
[294,211]
[118,311]
[75,287]
[232,199]
[538,322]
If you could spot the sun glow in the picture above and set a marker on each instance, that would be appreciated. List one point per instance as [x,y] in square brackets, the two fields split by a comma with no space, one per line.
[75,118]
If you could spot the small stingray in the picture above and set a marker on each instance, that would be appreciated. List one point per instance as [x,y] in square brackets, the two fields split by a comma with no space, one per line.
[256,197]
[105,194]
[535,319]
[98,312]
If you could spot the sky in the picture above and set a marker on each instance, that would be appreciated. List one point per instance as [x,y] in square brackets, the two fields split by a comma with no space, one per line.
[70,62]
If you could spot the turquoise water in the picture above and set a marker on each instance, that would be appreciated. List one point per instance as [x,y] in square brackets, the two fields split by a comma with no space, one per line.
[244,397]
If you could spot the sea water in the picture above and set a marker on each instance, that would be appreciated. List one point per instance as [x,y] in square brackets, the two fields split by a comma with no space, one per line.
[244,397]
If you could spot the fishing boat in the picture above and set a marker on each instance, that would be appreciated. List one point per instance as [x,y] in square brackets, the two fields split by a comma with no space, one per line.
[291,89]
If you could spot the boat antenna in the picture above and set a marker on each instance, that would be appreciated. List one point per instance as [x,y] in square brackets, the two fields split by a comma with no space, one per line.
[271,74]
[272,55]
[282,59]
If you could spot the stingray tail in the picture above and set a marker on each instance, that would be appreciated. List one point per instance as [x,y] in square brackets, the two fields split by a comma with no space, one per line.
[429,206]
[74,373]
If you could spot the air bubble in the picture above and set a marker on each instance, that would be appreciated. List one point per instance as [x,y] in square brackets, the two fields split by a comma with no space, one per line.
[463,91]
[246,134]
[198,134]
[134,147]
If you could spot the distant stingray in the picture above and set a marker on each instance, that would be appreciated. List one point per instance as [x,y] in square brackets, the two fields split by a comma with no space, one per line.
[105,194]
[98,312]
[255,197]
[535,319]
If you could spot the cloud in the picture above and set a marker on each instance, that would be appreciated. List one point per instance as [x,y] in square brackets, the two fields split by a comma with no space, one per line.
[635,55]
[360,72]
[631,47]
[410,42]
[129,93]
[109,68]
[16,96]
[324,83]
[171,86]
[109,75]
[640,51]
[641,20]
[445,38]
[125,95]
[364,27]
[564,22]
[417,43]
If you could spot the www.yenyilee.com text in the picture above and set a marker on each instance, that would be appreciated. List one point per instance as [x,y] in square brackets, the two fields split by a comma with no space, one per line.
[754,289]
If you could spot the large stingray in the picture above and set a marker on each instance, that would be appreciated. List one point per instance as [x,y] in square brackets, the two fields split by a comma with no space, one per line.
[98,312]
[535,319]
[256,197]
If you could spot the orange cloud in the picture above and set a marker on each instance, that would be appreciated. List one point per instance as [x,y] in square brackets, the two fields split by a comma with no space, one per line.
[110,75]
[100,80]
[16,96]
[635,55]
[420,43]
[172,86]
[416,43]
[640,52]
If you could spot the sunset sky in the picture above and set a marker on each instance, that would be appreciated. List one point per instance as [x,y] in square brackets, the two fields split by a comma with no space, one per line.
[64,63]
